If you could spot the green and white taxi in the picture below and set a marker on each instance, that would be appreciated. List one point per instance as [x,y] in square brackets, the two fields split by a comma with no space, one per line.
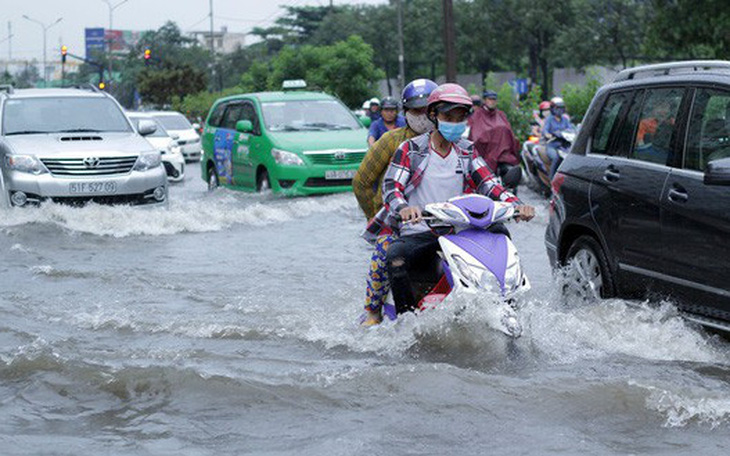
[294,142]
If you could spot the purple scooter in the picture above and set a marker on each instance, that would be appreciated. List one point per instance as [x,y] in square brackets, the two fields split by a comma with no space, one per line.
[476,260]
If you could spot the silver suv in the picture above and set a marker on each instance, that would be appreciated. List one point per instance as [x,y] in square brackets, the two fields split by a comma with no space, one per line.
[74,146]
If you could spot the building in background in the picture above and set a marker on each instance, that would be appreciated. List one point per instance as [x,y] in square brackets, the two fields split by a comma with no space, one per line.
[225,41]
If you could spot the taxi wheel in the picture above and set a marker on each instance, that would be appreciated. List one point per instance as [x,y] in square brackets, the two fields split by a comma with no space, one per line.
[212,179]
[263,184]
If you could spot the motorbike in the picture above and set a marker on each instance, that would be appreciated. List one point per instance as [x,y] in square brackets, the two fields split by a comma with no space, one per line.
[536,162]
[474,260]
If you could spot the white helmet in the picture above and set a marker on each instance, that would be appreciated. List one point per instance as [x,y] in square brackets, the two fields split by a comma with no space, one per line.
[366,105]
[374,101]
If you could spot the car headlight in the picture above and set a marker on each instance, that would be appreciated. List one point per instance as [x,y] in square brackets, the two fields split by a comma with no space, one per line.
[26,164]
[173,148]
[148,160]
[283,157]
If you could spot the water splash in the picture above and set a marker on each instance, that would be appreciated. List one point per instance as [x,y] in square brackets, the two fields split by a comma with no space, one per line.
[214,213]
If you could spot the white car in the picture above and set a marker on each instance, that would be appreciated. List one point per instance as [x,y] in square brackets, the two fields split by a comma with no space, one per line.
[188,138]
[166,143]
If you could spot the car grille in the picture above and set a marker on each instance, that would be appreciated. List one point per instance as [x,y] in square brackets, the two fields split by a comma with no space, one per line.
[76,166]
[317,182]
[335,158]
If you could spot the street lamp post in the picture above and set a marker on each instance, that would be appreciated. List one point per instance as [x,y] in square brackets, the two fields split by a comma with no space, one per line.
[45,29]
[112,7]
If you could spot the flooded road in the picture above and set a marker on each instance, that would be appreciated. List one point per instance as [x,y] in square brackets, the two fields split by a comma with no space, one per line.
[226,324]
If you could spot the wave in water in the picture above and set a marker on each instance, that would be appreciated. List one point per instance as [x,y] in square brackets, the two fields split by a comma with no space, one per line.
[213,213]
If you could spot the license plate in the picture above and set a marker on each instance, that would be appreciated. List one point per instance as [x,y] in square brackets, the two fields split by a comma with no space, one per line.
[340,174]
[92,188]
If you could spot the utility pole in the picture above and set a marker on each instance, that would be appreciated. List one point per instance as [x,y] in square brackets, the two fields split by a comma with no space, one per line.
[111,27]
[45,29]
[10,45]
[401,64]
[213,84]
[449,41]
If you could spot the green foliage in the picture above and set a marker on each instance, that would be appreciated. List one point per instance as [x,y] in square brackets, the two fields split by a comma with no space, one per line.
[578,98]
[519,111]
[256,78]
[688,29]
[161,87]
[344,69]
[197,105]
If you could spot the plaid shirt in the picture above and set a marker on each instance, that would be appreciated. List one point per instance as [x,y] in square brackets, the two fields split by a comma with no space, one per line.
[367,183]
[406,172]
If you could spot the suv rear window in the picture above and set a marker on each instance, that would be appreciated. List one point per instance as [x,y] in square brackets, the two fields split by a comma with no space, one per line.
[608,121]
[709,129]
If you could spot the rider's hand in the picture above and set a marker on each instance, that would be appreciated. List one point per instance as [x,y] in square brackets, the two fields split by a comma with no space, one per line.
[525,213]
[410,214]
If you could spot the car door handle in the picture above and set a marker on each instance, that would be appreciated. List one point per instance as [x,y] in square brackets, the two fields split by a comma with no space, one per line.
[678,195]
[611,175]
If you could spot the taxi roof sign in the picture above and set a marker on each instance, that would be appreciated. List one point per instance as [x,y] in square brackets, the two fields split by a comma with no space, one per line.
[292,84]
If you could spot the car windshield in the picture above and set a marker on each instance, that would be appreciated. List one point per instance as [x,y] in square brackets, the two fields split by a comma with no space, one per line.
[174,121]
[299,115]
[63,115]
[159,133]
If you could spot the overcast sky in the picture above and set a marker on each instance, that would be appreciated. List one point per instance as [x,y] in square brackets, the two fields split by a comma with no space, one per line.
[27,41]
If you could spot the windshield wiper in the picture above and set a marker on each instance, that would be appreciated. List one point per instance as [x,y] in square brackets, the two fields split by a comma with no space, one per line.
[327,125]
[285,128]
[27,132]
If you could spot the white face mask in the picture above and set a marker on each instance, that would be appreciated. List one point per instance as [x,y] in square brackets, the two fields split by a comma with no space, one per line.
[419,122]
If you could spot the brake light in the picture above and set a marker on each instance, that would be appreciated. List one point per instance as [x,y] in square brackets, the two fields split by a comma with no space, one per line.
[555,184]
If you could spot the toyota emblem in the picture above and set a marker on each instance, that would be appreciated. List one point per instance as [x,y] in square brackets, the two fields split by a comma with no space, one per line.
[340,155]
[91,162]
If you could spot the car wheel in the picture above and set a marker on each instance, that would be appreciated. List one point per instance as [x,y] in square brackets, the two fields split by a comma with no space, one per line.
[263,184]
[587,275]
[212,179]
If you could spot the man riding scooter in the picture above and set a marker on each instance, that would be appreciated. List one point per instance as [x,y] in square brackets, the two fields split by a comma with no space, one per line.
[430,168]
[552,130]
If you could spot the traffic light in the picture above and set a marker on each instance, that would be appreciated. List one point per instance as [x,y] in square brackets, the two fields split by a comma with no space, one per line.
[102,86]
[64,51]
[147,56]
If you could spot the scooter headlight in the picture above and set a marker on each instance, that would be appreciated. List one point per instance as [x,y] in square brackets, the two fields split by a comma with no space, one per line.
[469,272]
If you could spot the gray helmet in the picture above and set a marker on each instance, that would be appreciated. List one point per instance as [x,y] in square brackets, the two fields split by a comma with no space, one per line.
[389,103]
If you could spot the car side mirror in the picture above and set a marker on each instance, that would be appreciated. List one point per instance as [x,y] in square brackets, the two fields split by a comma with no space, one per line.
[244,126]
[196,126]
[174,136]
[717,172]
[146,127]
[365,121]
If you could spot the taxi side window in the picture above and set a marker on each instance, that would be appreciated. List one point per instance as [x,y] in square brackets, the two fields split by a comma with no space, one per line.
[232,115]
[248,112]
[709,129]
[217,115]
[608,122]
[656,134]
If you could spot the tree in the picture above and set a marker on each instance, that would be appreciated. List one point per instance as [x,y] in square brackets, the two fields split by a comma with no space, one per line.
[345,69]
[161,87]
[28,76]
[690,29]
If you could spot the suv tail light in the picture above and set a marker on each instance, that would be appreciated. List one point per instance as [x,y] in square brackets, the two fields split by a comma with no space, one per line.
[555,184]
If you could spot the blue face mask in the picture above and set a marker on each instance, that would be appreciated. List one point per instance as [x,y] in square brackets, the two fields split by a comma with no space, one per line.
[452,131]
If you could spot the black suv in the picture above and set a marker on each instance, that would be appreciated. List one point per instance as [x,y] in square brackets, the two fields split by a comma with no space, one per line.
[641,205]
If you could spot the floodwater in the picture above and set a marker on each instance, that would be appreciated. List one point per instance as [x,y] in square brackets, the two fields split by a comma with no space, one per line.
[226,324]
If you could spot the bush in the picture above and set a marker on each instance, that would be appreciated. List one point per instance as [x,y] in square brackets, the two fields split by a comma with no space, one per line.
[578,98]
[197,105]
